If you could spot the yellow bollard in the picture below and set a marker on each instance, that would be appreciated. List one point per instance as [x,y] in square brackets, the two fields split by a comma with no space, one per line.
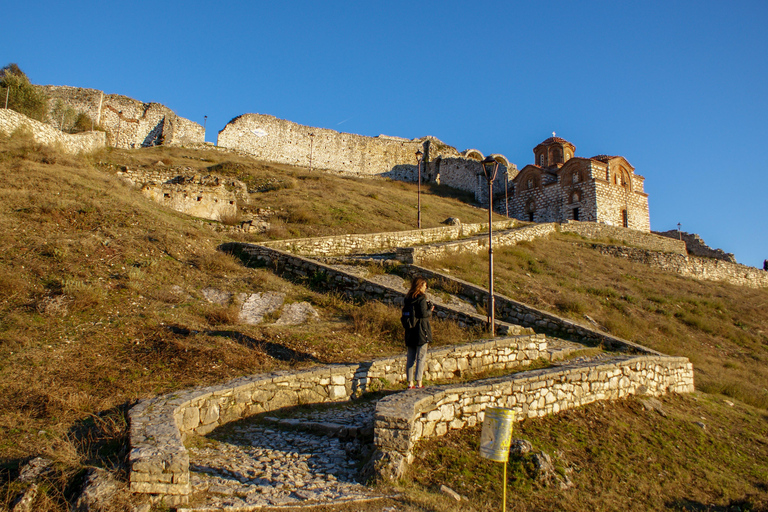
[496,438]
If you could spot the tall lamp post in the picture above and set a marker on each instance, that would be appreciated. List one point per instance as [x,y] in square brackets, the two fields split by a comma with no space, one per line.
[419,154]
[490,168]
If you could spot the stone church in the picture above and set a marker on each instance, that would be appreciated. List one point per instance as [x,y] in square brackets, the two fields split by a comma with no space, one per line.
[559,186]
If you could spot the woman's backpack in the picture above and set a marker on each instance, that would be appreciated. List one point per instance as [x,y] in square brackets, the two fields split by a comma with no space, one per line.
[408,316]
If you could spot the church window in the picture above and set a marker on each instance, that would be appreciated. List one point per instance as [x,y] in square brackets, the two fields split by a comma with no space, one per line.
[530,183]
[624,218]
[541,160]
[575,177]
[575,214]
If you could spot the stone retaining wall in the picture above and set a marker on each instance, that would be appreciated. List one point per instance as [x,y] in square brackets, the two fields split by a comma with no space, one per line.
[160,462]
[475,244]
[521,314]
[627,236]
[351,286]
[691,266]
[376,242]
[403,419]
[42,133]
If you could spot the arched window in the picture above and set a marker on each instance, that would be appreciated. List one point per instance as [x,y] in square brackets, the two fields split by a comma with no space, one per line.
[575,177]
[575,196]
[529,183]
[530,209]
[541,160]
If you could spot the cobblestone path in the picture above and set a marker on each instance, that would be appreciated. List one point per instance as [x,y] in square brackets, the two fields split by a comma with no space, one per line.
[249,464]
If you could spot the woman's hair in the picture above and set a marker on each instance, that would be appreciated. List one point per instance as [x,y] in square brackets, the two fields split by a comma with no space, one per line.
[416,288]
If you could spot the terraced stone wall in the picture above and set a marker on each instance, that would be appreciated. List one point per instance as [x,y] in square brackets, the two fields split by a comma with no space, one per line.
[691,266]
[521,314]
[474,245]
[42,133]
[402,420]
[159,426]
[373,242]
[649,241]
[349,285]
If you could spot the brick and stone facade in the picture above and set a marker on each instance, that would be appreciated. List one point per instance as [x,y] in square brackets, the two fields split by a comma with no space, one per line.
[560,186]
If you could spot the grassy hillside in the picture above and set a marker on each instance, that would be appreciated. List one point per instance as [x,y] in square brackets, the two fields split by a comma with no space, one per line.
[101,305]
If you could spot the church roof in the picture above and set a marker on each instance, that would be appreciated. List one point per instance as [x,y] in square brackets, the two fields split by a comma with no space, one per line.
[554,140]
[602,158]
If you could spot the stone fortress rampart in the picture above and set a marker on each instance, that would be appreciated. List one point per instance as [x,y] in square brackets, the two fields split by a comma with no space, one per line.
[276,140]
[11,121]
[128,123]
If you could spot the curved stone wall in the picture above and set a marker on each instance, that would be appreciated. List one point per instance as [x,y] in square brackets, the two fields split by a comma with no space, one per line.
[160,463]
[403,419]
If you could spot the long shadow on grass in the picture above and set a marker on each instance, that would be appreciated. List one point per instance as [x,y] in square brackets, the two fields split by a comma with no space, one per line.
[696,506]
[273,350]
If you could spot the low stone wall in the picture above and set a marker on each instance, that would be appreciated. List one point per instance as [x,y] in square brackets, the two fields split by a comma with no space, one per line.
[403,419]
[521,314]
[160,463]
[475,244]
[374,242]
[351,286]
[691,266]
[42,133]
[642,239]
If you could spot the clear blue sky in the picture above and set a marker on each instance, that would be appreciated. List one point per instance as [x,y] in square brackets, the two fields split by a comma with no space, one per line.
[679,88]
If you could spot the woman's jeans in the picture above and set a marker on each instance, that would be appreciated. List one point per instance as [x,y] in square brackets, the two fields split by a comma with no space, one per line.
[417,356]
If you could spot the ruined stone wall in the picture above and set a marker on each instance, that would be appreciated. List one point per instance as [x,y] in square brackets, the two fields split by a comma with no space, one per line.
[160,463]
[640,238]
[205,196]
[691,266]
[696,246]
[401,420]
[42,133]
[377,242]
[128,122]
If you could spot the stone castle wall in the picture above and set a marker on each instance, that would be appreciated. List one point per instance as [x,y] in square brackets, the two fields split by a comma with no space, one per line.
[696,246]
[160,463]
[692,266]
[276,140]
[129,123]
[401,420]
[42,133]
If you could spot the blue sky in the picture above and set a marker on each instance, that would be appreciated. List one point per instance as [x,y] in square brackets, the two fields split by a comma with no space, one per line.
[676,87]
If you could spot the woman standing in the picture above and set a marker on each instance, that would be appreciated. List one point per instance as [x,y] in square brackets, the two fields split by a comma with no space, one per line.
[418,334]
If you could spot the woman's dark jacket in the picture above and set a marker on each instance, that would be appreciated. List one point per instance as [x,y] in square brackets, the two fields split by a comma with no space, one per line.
[422,332]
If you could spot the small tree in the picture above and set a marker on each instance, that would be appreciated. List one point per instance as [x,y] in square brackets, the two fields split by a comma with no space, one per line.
[23,97]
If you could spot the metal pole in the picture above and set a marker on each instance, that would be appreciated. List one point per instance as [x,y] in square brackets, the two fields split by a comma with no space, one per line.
[205,122]
[419,194]
[119,119]
[311,146]
[504,492]
[679,234]
[7,91]
[491,305]
[506,187]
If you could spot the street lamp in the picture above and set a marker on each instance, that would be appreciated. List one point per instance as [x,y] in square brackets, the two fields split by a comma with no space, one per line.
[490,168]
[679,233]
[419,154]
[205,122]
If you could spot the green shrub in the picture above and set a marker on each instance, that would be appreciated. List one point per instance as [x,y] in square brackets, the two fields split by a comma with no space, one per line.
[23,97]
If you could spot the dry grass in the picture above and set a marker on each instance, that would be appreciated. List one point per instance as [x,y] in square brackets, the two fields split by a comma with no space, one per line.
[722,329]
[101,302]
